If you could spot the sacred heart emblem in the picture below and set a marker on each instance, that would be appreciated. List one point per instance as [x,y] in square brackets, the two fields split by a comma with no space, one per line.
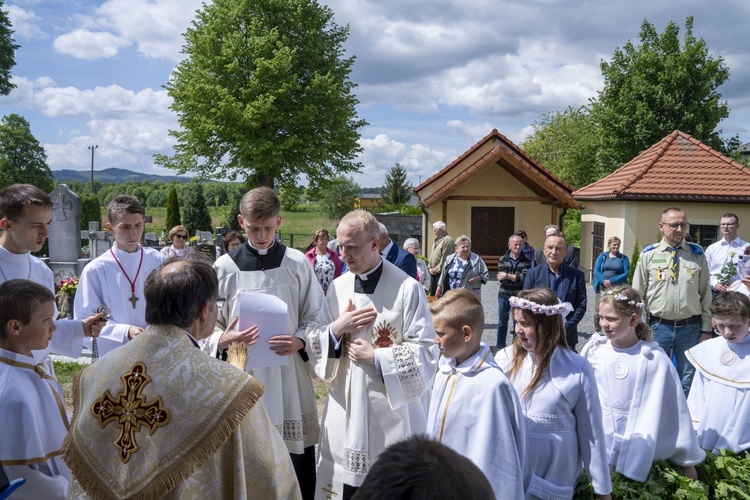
[383,335]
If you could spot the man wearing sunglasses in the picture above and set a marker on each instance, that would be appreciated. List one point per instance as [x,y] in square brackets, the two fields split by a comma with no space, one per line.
[673,277]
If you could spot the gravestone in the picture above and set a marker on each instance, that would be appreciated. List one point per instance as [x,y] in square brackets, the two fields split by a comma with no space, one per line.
[207,249]
[204,235]
[64,233]
[99,241]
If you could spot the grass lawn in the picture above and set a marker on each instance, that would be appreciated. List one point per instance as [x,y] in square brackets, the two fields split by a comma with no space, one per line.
[296,230]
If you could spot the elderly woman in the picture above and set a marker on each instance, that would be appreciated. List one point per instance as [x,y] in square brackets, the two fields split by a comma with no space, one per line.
[233,240]
[611,268]
[411,245]
[325,262]
[178,236]
[463,269]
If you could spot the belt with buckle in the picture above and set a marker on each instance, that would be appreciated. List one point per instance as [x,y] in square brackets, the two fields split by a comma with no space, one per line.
[677,323]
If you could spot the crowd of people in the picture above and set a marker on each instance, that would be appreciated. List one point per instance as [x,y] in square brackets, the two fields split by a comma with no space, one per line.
[181,405]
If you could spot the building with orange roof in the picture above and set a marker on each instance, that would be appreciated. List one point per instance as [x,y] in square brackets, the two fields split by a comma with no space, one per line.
[677,171]
[490,191]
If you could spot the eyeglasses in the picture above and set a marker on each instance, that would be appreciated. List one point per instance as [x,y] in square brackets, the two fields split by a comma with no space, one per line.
[734,328]
[675,226]
[181,236]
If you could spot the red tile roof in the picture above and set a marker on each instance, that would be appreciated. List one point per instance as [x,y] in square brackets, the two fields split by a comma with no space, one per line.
[677,168]
[516,162]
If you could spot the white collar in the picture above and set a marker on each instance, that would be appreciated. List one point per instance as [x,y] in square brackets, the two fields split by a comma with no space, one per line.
[365,276]
[387,249]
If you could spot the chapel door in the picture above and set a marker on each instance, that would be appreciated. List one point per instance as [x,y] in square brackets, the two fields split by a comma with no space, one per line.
[598,242]
[490,229]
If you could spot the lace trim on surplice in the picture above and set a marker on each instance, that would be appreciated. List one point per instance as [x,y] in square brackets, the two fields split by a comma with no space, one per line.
[356,461]
[409,375]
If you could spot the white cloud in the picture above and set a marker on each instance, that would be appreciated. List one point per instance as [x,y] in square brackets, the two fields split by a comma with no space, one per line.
[89,45]
[25,23]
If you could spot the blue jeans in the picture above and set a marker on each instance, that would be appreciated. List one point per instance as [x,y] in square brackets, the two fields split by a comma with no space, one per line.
[681,339]
[503,313]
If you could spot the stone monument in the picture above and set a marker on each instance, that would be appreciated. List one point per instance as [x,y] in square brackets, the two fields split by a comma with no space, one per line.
[64,233]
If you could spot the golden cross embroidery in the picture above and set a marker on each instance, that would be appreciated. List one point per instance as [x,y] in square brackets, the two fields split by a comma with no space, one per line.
[330,492]
[130,411]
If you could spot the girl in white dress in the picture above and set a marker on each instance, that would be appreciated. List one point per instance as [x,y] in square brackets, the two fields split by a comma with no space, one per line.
[645,414]
[558,397]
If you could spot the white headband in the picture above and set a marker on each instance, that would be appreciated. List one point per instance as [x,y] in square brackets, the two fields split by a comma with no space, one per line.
[562,308]
[624,298]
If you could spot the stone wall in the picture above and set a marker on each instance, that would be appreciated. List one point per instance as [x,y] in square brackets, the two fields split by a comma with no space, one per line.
[400,227]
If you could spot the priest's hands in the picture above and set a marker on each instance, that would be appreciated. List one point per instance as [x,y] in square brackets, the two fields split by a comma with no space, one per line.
[92,326]
[284,345]
[134,331]
[352,320]
[247,336]
[362,352]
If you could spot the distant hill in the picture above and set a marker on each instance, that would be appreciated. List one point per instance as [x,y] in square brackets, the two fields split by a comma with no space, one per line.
[113,175]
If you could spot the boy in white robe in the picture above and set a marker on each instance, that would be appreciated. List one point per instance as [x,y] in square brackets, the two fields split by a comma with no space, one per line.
[474,409]
[373,342]
[719,399]
[34,422]
[25,215]
[645,415]
[264,265]
[115,279]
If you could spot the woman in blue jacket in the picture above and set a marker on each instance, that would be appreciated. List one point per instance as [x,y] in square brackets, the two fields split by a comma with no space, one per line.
[611,268]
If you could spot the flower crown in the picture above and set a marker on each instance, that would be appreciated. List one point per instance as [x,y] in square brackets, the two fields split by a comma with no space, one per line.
[625,298]
[562,308]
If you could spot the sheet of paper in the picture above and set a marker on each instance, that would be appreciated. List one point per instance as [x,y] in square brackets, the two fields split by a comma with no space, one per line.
[269,313]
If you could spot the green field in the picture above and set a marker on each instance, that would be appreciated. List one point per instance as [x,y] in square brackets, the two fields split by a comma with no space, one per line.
[297,227]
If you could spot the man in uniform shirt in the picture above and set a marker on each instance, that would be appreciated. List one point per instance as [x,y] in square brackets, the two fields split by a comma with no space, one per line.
[673,277]
[729,247]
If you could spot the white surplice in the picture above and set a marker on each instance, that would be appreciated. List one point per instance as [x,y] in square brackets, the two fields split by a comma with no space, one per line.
[289,398]
[563,424]
[640,385]
[103,283]
[475,411]
[68,338]
[367,409]
[34,424]
[719,399]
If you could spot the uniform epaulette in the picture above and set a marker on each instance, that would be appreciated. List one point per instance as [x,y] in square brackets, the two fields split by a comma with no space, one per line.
[648,248]
[697,249]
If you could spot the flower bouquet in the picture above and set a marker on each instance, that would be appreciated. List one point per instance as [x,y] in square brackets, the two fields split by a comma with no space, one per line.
[66,292]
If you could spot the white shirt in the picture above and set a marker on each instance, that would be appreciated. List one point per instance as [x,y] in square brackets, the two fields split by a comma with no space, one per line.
[717,255]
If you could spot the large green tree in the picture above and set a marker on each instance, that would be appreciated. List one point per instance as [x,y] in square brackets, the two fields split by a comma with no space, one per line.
[195,212]
[657,87]
[7,52]
[566,142]
[264,93]
[397,190]
[22,158]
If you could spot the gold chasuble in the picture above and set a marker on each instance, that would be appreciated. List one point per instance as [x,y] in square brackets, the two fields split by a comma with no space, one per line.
[157,418]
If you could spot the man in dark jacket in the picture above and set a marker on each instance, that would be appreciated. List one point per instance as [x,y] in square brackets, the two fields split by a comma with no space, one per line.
[568,283]
[511,272]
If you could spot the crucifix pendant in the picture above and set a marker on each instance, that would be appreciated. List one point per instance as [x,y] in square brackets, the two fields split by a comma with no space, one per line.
[133,299]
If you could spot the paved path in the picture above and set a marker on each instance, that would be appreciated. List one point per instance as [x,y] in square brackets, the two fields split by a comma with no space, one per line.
[489,300]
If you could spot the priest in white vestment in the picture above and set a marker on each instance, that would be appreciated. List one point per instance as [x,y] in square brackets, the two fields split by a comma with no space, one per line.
[32,412]
[373,343]
[115,279]
[160,419]
[719,399]
[263,265]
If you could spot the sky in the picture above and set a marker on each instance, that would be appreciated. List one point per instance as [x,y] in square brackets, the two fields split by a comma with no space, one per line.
[433,76]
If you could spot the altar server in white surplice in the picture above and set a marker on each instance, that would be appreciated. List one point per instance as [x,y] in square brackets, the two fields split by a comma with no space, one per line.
[719,399]
[25,215]
[559,399]
[645,414]
[264,265]
[115,279]
[32,412]
[474,408]
[374,345]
